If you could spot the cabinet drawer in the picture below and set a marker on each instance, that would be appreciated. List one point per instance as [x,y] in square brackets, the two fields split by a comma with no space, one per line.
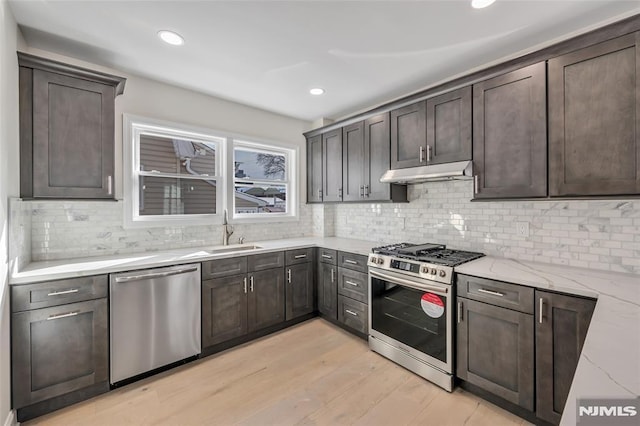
[353,314]
[353,284]
[54,293]
[298,256]
[352,261]
[260,262]
[224,267]
[328,256]
[512,296]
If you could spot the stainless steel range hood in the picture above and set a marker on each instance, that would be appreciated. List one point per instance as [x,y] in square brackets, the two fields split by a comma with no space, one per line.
[437,172]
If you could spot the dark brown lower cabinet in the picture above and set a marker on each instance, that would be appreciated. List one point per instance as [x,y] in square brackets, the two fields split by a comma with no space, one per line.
[224,309]
[561,327]
[353,314]
[495,350]
[239,304]
[328,290]
[59,350]
[299,290]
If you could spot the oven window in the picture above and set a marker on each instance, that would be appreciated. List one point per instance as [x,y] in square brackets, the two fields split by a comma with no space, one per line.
[414,317]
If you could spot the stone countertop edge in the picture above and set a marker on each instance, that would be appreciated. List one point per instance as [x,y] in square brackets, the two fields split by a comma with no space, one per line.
[609,364]
[97,265]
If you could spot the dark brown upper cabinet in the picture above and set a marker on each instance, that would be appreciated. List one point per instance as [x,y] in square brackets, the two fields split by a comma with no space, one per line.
[449,127]
[409,136]
[66,130]
[314,169]
[377,161]
[353,161]
[594,119]
[510,134]
[332,165]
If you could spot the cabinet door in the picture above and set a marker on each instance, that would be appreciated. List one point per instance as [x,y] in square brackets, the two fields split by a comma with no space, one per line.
[328,290]
[449,127]
[561,327]
[332,166]
[73,137]
[377,151]
[266,298]
[510,134]
[495,350]
[314,169]
[58,350]
[224,309]
[409,136]
[594,120]
[353,161]
[299,290]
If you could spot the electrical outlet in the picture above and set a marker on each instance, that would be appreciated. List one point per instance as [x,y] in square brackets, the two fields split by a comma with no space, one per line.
[522,229]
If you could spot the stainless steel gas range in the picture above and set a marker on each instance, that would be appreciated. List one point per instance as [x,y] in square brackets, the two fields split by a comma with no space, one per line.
[411,296]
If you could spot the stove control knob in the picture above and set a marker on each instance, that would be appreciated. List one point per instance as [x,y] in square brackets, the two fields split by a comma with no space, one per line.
[379,261]
[434,271]
[425,269]
[443,274]
[374,260]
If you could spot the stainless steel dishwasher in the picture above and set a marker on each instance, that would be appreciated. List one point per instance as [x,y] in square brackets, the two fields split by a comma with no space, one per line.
[154,319]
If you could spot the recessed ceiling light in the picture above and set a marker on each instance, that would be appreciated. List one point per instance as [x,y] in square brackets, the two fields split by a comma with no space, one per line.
[171,37]
[317,91]
[480,4]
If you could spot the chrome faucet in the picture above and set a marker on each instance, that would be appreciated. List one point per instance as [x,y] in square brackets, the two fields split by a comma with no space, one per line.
[227,231]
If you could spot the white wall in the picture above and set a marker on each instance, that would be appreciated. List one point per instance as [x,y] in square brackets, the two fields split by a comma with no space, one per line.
[9,40]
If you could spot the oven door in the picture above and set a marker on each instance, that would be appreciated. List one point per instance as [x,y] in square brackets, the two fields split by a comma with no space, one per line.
[412,314]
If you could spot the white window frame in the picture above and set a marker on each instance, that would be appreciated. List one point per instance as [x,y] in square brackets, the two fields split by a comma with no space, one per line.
[133,128]
[290,180]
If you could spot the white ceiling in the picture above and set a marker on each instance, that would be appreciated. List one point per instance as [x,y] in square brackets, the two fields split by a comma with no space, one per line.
[269,54]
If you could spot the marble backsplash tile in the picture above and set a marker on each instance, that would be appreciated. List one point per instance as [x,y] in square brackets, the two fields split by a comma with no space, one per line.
[19,234]
[598,234]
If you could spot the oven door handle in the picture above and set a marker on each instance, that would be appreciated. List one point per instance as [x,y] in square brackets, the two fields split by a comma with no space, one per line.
[393,279]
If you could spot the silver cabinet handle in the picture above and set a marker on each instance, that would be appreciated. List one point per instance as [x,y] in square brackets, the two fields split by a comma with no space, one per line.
[422,154]
[366,190]
[326,256]
[58,316]
[300,256]
[493,293]
[355,314]
[475,184]
[540,310]
[244,281]
[353,262]
[109,185]
[320,193]
[428,153]
[351,283]
[251,283]
[459,312]
[362,191]
[59,293]
[155,275]
[333,273]
[339,192]
[289,275]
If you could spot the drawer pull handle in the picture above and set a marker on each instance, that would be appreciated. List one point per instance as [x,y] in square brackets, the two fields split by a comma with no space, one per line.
[351,283]
[300,256]
[541,309]
[58,316]
[59,293]
[326,256]
[353,262]
[493,293]
[355,314]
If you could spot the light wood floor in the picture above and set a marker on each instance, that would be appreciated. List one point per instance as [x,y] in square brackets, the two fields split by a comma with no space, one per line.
[310,374]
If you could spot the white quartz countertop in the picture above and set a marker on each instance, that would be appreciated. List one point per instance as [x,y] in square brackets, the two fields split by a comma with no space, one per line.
[609,365]
[70,268]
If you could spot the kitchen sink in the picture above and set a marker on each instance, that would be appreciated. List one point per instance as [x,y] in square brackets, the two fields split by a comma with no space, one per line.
[231,249]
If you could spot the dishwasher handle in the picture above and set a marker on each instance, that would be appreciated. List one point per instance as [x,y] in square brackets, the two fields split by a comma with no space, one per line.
[152,275]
